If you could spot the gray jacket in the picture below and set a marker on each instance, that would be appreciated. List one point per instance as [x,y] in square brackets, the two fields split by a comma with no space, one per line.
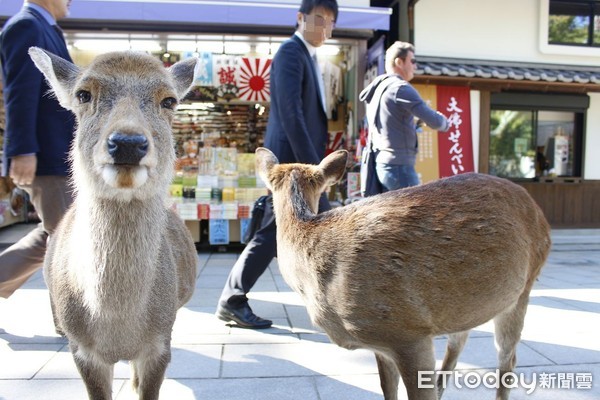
[400,104]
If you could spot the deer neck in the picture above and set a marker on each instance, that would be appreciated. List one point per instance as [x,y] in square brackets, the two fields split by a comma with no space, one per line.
[114,244]
[297,236]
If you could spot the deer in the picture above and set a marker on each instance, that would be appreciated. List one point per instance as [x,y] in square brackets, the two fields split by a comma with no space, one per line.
[121,262]
[390,272]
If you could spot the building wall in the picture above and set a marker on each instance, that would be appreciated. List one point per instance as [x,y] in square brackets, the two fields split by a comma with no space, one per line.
[509,30]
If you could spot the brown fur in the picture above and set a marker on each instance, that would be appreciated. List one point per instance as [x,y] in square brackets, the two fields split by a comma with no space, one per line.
[392,271]
[120,263]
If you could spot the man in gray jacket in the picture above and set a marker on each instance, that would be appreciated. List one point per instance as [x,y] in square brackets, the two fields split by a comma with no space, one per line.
[394,135]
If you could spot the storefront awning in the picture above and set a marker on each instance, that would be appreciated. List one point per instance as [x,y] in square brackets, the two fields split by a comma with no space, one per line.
[209,12]
[507,72]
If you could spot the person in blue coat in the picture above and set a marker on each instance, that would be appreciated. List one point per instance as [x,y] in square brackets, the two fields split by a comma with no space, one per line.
[296,132]
[38,133]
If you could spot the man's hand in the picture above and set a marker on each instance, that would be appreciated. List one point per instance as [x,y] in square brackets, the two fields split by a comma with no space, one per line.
[22,169]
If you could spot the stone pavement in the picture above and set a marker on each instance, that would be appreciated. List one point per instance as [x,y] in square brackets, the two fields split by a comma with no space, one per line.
[294,360]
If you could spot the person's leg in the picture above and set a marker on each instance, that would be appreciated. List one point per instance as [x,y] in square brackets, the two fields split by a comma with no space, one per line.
[254,260]
[394,177]
[51,196]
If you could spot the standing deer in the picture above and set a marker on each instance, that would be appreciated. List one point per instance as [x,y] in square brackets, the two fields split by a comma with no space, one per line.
[120,263]
[392,271]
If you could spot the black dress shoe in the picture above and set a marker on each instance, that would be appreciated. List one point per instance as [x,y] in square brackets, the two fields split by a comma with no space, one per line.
[242,316]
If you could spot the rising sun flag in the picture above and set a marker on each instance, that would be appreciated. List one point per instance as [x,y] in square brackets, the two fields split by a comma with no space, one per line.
[254,79]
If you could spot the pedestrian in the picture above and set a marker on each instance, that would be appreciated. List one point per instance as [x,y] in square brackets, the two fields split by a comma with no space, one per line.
[38,133]
[395,106]
[296,132]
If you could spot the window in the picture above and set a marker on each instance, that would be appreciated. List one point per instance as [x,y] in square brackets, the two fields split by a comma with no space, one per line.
[531,137]
[574,23]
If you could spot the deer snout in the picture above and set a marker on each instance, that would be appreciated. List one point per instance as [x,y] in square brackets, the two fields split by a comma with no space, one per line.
[127,149]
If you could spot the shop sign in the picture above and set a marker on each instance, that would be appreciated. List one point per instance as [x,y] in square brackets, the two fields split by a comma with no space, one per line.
[443,154]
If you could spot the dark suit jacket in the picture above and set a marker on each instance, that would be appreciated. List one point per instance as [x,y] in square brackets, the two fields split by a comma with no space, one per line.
[297,126]
[35,122]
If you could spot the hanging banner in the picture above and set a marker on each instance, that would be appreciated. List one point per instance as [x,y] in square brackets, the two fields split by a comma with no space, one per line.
[254,79]
[225,76]
[456,145]
[204,70]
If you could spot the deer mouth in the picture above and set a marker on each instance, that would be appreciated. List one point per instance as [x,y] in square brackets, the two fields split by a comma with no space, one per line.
[125,176]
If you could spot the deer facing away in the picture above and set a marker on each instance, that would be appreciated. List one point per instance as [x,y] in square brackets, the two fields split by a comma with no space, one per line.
[390,272]
[120,263]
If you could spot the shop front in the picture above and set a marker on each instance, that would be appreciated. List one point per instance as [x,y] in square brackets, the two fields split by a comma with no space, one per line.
[531,123]
[223,119]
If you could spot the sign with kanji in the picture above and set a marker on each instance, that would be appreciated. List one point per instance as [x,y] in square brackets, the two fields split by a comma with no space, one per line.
[456,145]
[225,78]
[218,231]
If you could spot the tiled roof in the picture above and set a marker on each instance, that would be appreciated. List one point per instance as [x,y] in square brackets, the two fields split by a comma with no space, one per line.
[429,66]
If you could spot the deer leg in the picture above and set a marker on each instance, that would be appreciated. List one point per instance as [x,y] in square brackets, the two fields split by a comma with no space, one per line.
[414,359]
[389,376]
[96,374]
[57,327]
[508,327]
[456,343]
[135,378]
[149,372]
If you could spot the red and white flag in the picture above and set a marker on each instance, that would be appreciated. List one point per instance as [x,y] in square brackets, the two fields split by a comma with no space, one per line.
[254,79]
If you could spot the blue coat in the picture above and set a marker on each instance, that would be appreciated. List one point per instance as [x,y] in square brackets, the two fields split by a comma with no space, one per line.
[35,122]
[297,126]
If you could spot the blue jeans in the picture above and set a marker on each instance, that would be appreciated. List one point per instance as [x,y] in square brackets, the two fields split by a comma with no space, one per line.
[394,177]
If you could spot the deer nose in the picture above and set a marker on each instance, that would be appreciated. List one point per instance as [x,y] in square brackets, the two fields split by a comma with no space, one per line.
[127,149]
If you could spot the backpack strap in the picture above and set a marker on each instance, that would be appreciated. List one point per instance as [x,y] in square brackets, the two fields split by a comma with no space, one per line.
[373,108]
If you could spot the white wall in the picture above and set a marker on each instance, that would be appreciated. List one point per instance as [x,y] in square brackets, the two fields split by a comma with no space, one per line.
[475,113]
[592,138]
[508,30]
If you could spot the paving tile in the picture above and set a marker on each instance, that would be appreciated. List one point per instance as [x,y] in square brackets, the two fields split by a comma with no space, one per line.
[24,361]
[302,359]
[53,389]
[294,388]
[349,387]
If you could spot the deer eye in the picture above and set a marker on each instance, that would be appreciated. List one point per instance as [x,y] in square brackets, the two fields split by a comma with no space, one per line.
[169,102]
[83,96]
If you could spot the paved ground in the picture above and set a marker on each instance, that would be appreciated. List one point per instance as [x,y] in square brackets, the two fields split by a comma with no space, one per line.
[293,360]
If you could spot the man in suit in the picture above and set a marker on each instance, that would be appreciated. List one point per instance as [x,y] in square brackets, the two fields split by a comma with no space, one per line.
[38,133]
[296,132]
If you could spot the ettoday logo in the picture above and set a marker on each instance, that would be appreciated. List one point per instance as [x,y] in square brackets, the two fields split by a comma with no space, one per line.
[510,380]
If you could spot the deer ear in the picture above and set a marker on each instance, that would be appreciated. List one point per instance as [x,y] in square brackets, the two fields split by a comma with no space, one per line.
[60,74]
[265,161]
[183,73]
[334,166]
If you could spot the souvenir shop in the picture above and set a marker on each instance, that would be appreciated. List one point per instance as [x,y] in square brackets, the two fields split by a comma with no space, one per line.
[223,119]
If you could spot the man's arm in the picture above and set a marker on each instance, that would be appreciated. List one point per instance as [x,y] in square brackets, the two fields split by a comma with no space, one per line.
[408,96]
[22,92]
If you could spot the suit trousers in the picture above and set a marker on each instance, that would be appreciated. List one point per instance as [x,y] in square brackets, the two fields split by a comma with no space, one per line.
[51,196]
[255,259]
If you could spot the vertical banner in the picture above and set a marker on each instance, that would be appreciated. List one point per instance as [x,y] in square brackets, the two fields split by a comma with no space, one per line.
[225,76]
[456,145]
[427,164]
[204,70]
